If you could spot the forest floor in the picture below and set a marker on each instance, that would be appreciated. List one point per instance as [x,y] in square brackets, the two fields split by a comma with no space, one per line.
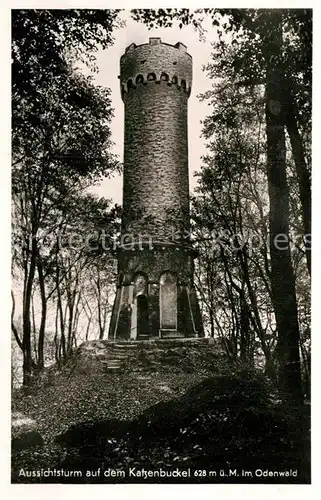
[185,408]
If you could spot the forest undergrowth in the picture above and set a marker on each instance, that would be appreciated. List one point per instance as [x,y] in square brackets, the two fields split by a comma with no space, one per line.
[184,408]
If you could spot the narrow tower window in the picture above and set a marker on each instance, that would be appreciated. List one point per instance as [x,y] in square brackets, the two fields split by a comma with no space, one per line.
[139,79]
[130,84]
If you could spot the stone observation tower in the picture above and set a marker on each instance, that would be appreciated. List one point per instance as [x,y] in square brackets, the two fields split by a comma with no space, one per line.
[155,293]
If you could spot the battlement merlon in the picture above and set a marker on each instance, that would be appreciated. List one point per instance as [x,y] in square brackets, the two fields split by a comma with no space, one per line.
[157,61]
[157,41]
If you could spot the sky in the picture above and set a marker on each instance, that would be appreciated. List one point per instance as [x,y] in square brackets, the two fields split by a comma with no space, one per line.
[108,62]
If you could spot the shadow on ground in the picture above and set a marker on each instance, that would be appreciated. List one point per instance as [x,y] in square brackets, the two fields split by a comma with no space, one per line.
[226,423]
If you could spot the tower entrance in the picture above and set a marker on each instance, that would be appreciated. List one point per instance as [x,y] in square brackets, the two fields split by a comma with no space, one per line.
[142,317]
[168,302]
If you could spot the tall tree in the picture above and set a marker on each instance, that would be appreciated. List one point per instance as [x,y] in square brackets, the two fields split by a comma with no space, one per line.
[230,213]
[60,132]
[258,45]
[271,48]
[282,275]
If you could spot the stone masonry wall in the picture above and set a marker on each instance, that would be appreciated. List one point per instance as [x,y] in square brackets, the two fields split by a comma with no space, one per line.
[156,188]
[155,262]
[159,58]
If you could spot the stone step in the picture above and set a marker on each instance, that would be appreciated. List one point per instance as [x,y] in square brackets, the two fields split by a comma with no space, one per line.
[143,336]
[125,346]
[110,362]
[113,368]
[106,358]
[114,354]
[171,334]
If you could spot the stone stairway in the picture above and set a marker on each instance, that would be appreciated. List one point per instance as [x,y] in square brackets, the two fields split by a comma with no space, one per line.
[113,354]
[117,353]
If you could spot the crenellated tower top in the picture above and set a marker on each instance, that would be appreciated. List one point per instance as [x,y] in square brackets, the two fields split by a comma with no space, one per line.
[156,62]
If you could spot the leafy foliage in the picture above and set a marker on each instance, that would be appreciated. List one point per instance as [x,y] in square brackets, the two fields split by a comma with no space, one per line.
[61,145]
[252,72]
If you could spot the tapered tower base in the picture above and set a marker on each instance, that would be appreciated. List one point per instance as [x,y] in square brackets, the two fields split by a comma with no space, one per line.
[153,303]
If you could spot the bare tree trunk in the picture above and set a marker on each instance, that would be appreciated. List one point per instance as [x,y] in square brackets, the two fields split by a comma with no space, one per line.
[41,338]
[282,276]
[88,327]
[302,173]
[99,306]
[28,285]
[62,343]
[88,315]
[76,320]
[34,329]
[70,305]
[209,273]
[56,337]
[13,326]
[244,329]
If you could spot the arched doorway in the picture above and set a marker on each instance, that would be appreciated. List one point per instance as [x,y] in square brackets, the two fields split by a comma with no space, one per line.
[142,317]
[168,301]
